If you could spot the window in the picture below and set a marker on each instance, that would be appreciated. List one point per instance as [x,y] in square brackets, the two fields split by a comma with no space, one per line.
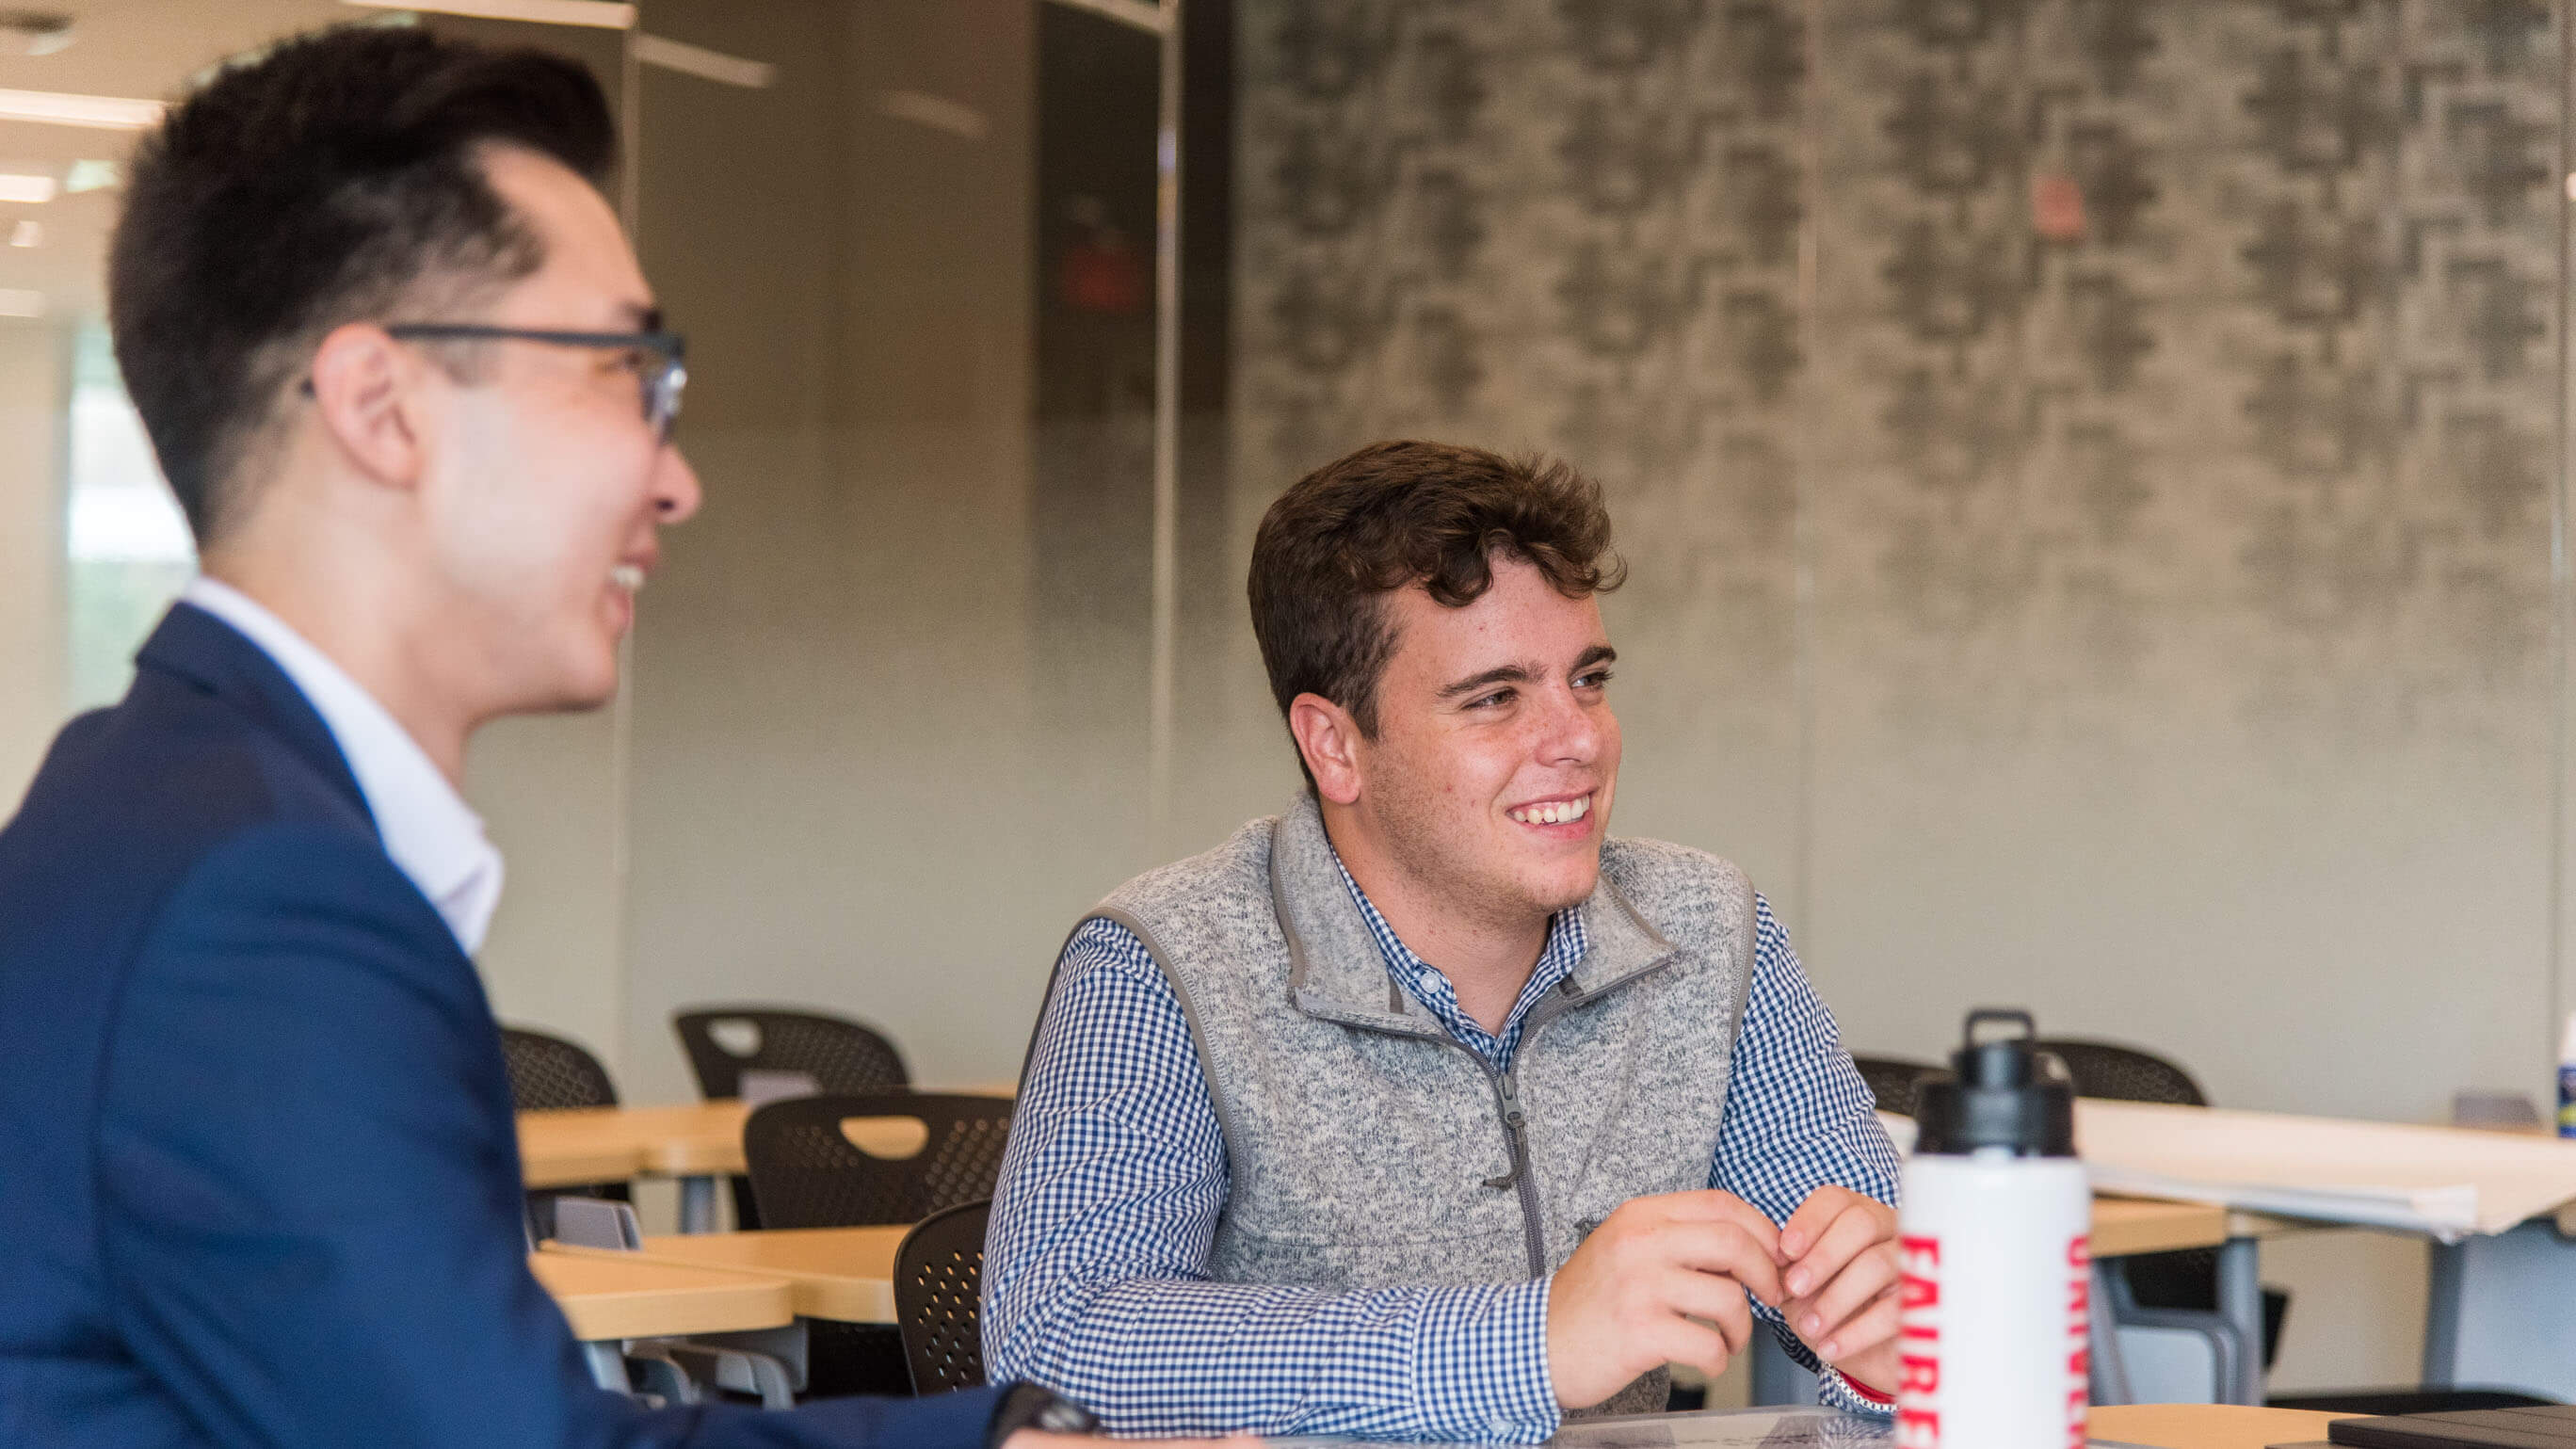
[126,545]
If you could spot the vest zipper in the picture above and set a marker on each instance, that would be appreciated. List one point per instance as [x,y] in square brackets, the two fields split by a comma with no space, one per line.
[1516,1131]
[1507,1097]
[1507,1090]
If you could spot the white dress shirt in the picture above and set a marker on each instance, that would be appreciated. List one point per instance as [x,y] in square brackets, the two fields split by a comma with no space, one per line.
[428,829]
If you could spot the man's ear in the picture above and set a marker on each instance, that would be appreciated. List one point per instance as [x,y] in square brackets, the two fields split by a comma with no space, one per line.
[366,392]
[1330,741]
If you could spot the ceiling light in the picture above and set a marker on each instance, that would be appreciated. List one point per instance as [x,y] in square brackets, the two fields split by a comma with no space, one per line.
[937,112]
[34,32]
[90,176]
[1142,14]
[27,233]
[19,302]
[31,190]
[61,108]
[599,14]
[697,60]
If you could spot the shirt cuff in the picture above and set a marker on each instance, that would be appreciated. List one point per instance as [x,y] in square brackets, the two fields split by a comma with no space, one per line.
[1482,1369]
[1851,1395]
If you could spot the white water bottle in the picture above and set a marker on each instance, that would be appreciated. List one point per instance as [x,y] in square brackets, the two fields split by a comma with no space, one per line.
[1995,1335]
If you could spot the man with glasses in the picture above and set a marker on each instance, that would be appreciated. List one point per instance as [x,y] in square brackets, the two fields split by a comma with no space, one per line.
[261,1183]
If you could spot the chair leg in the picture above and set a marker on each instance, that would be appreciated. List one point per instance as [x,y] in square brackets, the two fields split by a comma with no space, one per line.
[697,1204]
[740,1369]
[664,1377]
[2240,1302]
[608,1367]
[2109,1370]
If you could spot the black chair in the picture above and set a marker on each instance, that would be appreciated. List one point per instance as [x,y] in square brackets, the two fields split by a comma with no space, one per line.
[2123,1073]
[938,1298]
[2187,1279]
[807,1173]
[833,1053]
[1891,1081]
[839,1055]
[549,1073]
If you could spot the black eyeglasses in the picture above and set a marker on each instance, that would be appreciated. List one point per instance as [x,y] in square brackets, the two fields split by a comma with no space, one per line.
[662,366]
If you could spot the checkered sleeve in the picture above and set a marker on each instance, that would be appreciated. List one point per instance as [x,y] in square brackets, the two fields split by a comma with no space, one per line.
[1798,1116]
[1095,1269]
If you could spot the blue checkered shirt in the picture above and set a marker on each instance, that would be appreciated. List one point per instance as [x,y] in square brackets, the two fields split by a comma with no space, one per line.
[1095,1268]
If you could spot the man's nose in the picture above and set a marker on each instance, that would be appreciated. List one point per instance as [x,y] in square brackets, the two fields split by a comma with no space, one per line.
[1570,733]
[676,493]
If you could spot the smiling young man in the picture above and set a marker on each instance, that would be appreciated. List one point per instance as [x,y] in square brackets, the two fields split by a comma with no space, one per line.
[407,381]
[1427,1109]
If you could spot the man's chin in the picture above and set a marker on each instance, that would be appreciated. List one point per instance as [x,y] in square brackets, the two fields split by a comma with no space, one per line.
[587,687]
[1563,888]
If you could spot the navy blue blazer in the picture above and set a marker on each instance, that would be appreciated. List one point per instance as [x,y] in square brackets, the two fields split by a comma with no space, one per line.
[259,1181]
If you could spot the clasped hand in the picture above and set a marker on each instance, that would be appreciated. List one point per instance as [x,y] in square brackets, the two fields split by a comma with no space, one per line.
[1663,1280]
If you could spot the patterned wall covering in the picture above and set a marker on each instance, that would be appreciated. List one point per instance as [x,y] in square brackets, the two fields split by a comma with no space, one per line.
[2233,321]
[1572,226]
[2164,396]
[2123,308]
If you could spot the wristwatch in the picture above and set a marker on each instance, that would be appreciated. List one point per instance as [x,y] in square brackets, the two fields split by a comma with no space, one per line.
[1031,1406]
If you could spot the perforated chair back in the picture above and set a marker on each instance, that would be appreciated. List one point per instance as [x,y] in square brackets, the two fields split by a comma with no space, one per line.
[2185,1280]
[807,1173]
[1891,1081]
[840,1055]
[2123,1073]
[548,1073]
[938,1298]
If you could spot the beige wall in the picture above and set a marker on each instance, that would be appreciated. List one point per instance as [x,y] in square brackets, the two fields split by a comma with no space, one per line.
[840,770]
[551,793]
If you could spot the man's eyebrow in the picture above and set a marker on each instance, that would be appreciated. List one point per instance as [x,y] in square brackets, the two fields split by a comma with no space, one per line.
[1597,654]
[640,317]
[1499,674]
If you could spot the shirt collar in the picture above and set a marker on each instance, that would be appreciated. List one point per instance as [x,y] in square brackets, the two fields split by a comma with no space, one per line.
[1567,940]
[434,837]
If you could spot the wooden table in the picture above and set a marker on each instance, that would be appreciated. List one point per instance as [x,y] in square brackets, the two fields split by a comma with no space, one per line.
[2124,1226]
[692,1139]
[696,1142]
[618,1296]
[2504,1279]
[2206,1426]
[844,1274]
[572,1149]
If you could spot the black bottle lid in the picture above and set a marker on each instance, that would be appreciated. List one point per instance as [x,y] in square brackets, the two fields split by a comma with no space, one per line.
[2000,1093]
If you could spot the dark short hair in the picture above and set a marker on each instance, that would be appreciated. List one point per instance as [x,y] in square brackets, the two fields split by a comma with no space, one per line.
[333,179]
[1393,515]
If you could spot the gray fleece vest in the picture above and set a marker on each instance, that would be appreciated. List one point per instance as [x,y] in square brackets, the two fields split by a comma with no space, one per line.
[1366,1147]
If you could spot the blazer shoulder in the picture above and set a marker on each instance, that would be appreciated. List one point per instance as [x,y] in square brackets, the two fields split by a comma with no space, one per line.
[304,880]
[170,761]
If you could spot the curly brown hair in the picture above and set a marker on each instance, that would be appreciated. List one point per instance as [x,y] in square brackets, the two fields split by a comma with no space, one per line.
[1397,514]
